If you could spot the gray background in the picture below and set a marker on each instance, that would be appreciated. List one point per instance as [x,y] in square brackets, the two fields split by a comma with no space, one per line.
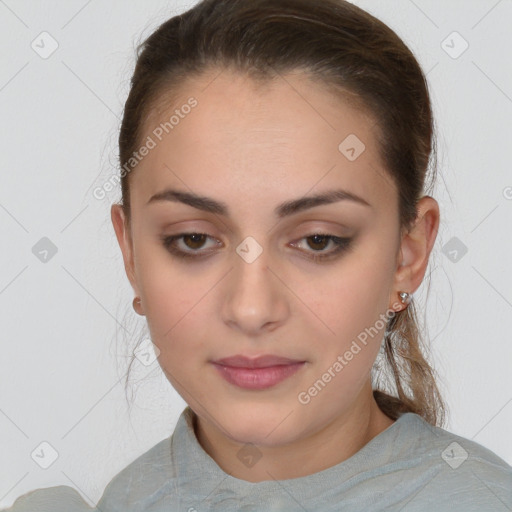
[68,326]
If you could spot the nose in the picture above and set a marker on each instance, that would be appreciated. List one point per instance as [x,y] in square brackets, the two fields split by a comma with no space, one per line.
[254,299]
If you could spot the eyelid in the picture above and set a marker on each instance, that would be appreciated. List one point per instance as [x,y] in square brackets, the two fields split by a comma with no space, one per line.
[169,240]
[340,243]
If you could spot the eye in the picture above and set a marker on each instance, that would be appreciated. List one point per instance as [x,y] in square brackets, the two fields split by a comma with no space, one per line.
[320,241]
[193,245]
[192,241]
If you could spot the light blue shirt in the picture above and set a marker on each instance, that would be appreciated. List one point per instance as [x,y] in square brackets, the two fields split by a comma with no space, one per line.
[411,466]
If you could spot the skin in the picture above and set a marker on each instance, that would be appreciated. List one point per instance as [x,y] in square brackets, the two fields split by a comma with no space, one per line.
[254,146]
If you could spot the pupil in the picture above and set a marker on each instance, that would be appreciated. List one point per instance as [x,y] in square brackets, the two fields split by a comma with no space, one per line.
[196,239]
[319,239]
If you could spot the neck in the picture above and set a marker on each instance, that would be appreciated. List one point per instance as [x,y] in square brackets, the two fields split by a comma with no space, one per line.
[335,442]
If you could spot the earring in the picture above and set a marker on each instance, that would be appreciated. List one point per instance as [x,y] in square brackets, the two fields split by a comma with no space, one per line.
[405,298]
[136,305]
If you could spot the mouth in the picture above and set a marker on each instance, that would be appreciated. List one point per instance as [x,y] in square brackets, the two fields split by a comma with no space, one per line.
[257,373]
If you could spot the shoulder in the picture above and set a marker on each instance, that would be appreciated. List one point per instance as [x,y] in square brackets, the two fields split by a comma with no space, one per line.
[148,483]
[61,498]
[448,469]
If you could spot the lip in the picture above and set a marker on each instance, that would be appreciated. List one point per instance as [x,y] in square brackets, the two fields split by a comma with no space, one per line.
[257,373]
[264,361]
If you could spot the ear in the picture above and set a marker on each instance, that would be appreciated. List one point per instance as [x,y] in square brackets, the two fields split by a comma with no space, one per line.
[125,242]
[415,247]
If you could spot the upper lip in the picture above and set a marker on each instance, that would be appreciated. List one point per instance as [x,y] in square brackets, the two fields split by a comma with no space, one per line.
[240,361]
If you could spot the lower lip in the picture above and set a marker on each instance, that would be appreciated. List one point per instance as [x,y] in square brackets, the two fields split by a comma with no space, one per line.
[257,378]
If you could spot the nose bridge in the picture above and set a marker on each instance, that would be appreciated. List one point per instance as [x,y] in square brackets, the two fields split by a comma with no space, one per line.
[253,298]
[251,272]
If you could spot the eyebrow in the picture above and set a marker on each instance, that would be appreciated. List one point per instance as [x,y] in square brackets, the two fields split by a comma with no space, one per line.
[285,209]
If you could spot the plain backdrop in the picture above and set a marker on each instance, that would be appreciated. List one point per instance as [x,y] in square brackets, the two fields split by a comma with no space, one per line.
[68,325]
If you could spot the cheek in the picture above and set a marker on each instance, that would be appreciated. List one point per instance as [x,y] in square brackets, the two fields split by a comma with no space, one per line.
[352,303]
[352,297]
[178,328]
[175,314]
[169,294]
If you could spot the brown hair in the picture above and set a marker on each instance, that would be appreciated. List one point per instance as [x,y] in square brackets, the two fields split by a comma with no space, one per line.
[349,51]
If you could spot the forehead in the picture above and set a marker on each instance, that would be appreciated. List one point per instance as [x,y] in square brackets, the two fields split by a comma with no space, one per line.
[278,138]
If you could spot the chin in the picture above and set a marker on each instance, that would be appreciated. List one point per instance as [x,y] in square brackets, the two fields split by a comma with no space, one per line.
[259,427]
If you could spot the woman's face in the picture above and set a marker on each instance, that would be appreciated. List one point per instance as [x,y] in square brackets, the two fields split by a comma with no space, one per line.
[240,164]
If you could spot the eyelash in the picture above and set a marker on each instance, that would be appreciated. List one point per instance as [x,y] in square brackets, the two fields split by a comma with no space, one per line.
[342,245]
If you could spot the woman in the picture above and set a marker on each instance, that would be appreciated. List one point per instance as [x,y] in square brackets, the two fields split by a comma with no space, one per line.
[274,227]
